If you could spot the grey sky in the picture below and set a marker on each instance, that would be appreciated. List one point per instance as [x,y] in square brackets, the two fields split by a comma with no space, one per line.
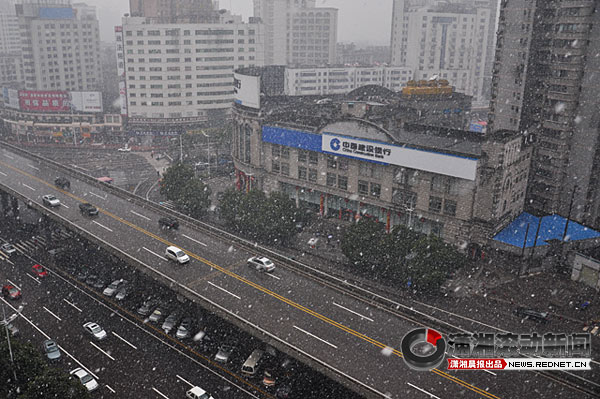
[359,21]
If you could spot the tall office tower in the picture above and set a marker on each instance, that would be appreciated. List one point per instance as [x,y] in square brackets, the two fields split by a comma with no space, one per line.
[450,39]
[60,45]
[10,45]
[297,33]
[170,11]
[546,85]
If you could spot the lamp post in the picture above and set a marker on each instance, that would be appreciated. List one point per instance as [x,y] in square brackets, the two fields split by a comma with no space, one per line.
[5,322]
[208,151]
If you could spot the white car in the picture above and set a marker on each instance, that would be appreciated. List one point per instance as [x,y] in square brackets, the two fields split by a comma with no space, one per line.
[113,287]
[94,329]
[124,149]
[50,200]
[198,393]
[8,249]
[85,378]
[261,264]
[177,255]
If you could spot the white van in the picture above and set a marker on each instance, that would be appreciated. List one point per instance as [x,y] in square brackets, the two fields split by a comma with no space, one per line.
[250,366]
[177,255]
[198,393]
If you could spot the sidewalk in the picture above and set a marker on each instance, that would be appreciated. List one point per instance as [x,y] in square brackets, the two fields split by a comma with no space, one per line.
[160,165]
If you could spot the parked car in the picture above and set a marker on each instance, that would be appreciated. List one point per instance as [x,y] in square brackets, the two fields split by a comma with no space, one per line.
[62,182]
[94,329]
[10,291]
[540,317]
[122,292]
[185,328]
[198,393]
[50,200]
[269,377]
[170,322]
[113,287]
[8,249]
[177,255]
[85,378]
[168,222]
[39,270]
[224,353]
[88,209]
[159,313]
[147,307]
[51,350]
[82,274]
[283,392]
[261,264]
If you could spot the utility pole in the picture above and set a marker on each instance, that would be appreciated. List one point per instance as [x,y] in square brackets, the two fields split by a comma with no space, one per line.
[208,151]
[12,360]
[180,149]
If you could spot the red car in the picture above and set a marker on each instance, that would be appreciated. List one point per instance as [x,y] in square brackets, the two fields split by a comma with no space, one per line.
[39,270]
[10,291]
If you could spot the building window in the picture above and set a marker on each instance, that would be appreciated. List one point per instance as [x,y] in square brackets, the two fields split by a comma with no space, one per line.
[437,184]
[435,204]
[285,152]
[302,175]
[342,164]
[369,170]
[404,197]
[276,150]
[450,207]
[313,158]
[331,162]
[331,179]
[405,176]
[312,175]
[275,168]
[342,182]
[375,190]
[363,187]
[302,155]
[285,168]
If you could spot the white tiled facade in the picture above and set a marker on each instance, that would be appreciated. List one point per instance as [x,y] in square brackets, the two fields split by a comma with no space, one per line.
[449,40]
[60,54]
[185,70]
[323,81]
[10,45]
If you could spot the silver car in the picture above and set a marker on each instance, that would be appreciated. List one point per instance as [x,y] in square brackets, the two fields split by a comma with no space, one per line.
[50,200]
[51,350]
[261,264]
[8,249]
[113,287]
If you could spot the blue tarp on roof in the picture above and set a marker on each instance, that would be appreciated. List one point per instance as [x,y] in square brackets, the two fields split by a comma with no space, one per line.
[552,227]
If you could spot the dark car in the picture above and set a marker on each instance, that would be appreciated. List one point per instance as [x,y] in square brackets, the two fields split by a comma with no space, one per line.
[540,317]
[62,182]
[168,222]
[82,274]
[91,280]
[283,392]
[10,291]
[88,209]
[147,307]
[185,328]
[171,322]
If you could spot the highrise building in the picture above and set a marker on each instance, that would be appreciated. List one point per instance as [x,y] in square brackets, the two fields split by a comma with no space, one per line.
[10,45]
[452,39]
[546,86]
[297,32]
[60,45]
[175,10]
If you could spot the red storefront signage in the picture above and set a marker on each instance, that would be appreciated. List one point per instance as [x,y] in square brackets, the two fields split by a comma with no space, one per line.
[44,101]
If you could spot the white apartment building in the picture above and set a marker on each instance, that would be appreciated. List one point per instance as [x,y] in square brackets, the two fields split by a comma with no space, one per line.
[60,45]
[10,45]
[340,80]
[450,40]
[297,32]
[184,71]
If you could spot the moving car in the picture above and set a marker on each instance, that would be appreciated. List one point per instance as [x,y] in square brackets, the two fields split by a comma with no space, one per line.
[62,182]
[10,291]
[50,200]
[39,270]
[224,353]
[85,378]
[261,264]
[51,350]
[88,209]
[112,287]
[198,393]
[177,255]
[168,222]
[531,314]
[8,248]
[94,329]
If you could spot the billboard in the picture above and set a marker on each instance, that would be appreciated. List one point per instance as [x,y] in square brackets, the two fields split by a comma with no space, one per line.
[44,101]
[86,101]
[246,90]
[123,98]
[444,164]
[167,132]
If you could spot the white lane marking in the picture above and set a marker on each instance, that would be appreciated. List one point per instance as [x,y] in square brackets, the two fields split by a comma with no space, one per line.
[424,391]
[100,349]
[274,276]
[124,340]
[97,195]
[352,311]
[29,187]
[154,253]
[3,174]
[490,372]
[103,226]
[224,290]
[19,248]
[61,204]
[34,167]
[314,336]
[8,156]
[11,283]
[72,304]
[37,280]
[142,216]
[48,310]
[196,241]
[110,389]
[184,380]
[9,261]
[160,393]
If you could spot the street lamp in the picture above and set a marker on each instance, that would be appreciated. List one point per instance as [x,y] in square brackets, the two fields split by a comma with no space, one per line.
[6,322]
[208,151]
